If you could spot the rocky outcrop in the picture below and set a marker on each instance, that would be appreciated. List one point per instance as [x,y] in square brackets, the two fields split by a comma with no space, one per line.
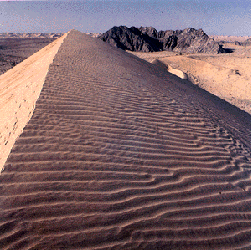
[148,39]
[247,42]
[150,31]
[131,39]
[195,41]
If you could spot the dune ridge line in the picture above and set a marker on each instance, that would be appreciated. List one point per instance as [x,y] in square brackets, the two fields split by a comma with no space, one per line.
[121,154]
[20,88]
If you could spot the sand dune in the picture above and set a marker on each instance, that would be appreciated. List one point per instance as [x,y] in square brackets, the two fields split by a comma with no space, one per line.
[119,154]
[227,76]
[169,68]
[19,89]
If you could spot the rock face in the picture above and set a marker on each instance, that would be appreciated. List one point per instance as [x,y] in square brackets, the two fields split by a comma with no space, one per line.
[195,41]
[247,42]
[131,39]
[148,39]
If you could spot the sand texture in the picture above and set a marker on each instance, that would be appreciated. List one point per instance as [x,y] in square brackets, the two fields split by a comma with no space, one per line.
[19,89]
[120,154]
[227,76]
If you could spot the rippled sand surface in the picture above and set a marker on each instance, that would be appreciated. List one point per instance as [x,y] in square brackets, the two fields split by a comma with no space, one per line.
[120,154]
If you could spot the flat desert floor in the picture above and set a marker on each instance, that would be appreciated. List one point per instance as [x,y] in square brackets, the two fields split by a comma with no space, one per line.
[117,153]
[227,76]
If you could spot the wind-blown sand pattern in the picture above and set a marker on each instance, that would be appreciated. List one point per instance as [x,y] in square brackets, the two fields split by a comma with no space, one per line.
[227,76]
[119,154]
[19,89]
[229,83]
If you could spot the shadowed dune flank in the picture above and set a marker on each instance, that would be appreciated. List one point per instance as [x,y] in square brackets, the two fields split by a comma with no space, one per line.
[227,76]
[170,69]
[120,154]
[19,89]
[224,82]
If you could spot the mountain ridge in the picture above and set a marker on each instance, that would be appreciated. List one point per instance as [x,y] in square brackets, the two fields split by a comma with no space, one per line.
[148,39]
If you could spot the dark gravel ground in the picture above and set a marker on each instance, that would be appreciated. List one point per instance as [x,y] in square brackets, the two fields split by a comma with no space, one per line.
[15,50]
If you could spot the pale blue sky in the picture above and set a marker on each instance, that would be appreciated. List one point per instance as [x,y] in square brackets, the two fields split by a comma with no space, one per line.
[215,17]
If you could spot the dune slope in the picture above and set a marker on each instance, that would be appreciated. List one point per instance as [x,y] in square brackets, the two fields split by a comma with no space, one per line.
[224,75]
[19,90]
[229,82]
[122,155]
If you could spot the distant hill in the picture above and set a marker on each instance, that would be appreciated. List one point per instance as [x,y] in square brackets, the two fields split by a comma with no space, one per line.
[230,39]
[30,35]
[247,42]
[148,39]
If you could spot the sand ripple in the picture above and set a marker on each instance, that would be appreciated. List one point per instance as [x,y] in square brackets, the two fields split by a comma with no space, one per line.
[120,155]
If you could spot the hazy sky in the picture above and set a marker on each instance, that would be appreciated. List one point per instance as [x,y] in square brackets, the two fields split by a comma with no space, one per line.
[215,17]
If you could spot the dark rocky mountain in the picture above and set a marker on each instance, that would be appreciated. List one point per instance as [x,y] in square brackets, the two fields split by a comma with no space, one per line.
[148,39]
[195,41]
[131,39]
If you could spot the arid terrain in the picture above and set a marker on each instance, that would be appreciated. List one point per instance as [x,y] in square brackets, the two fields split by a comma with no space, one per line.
[226,75]
[31,35]
[231,39]
[103,150]
[15,50]
[20,88]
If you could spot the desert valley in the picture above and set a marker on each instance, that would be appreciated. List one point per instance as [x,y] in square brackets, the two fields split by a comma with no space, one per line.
[130,139]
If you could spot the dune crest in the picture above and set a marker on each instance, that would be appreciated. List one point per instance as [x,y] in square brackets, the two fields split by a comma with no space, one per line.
[20,88]
[120,154]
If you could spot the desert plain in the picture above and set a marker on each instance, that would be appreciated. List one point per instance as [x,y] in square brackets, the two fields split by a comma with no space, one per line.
[102,149]
[226,75]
